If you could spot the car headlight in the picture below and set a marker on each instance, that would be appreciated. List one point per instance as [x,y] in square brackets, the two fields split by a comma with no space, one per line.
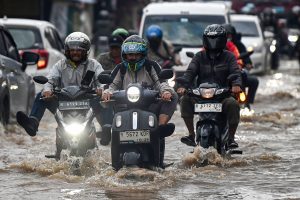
[133,94]
[74,129]
[207,92]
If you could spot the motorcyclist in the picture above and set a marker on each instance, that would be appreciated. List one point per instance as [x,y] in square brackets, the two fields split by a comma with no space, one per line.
[213,64]
[120,32]
[134,53]
[161,50]
[65,72]
[249,80]
[110,59]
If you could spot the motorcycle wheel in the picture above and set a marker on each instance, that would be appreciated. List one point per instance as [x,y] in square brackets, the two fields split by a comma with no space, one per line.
[115,151]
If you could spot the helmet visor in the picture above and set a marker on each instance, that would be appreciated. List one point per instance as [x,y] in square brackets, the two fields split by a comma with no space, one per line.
[76,45]
[134,47]
[216,42]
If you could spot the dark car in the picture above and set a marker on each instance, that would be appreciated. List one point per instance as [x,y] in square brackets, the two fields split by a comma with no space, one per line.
[17,89]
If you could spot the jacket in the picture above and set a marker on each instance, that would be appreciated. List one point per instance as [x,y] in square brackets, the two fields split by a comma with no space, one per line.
[69,75]
[207,70]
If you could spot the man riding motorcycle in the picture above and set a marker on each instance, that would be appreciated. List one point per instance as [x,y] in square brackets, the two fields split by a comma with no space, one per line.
[66,72]
[138,69]
[213,64]
[161,50]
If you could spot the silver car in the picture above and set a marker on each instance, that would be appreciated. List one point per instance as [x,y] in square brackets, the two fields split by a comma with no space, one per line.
[17,89]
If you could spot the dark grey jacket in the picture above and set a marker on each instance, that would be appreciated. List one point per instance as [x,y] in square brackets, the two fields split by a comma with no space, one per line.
[207,70]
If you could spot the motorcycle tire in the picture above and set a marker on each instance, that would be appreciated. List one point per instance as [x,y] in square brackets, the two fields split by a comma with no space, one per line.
[115,151]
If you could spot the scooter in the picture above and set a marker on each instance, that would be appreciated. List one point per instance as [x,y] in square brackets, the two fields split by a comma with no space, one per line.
[212,128]
[136,137]
[74,116]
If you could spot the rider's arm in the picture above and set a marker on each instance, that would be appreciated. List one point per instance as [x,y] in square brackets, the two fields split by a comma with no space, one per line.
[193,69]
[115,85]
[54,73]
[234,69]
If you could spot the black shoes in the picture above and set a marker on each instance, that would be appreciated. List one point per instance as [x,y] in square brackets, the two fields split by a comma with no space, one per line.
[30,124]
[188,140]
[232,144]
[105,135]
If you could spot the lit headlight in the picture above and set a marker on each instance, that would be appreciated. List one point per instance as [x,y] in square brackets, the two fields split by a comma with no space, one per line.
[293,38]
[171,81]
[133,94]
[207,92]
[74,128]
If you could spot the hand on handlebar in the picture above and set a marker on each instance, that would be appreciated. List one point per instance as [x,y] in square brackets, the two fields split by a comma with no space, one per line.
[46,95]
[166,96]
[181,91]
[99,92]
[106,96]
[236,89]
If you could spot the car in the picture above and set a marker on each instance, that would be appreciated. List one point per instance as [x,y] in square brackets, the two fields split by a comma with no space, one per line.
[36,36]
[17,89]
[254,39]
[183,24]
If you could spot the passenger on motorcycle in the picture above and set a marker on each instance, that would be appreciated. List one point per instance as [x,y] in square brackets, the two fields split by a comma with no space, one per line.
[249,80]
[161,50]
[213,64]
[120,32]
[66,72]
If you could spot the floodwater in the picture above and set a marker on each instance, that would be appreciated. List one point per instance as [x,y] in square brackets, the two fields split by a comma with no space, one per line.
[268,169]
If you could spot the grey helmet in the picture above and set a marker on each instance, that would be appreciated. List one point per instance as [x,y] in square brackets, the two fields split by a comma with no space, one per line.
[77,40]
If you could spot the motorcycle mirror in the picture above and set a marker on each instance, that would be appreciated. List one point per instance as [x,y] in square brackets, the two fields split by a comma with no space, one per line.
[105,78]
[189,54]
[87,79]
[40,79]
[166,74]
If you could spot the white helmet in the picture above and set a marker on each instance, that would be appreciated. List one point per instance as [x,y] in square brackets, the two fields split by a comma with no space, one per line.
[77,40]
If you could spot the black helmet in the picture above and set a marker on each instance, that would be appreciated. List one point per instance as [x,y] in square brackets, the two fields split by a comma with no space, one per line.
[214,38]
[229,29]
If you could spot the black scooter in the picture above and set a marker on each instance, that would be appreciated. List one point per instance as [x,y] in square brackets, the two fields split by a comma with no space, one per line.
[74,116]
[137,140]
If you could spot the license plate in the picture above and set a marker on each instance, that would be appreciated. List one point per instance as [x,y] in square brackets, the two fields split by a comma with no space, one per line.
[208,107]
[141,136]
[73,105]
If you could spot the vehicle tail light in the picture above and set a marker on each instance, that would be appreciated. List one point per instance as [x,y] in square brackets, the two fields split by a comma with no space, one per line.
[43,60]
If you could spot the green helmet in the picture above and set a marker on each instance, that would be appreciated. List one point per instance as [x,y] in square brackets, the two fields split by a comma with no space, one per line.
[121,32]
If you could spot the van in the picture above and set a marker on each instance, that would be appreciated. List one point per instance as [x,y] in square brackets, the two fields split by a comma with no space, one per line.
[183,24]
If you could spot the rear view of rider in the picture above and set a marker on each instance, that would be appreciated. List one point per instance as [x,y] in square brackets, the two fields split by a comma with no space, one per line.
[67,72]
[161,50]
[213,64]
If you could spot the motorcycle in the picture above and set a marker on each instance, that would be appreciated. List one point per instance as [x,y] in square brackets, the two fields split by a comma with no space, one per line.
[74,116]
[136,137]
[212,128]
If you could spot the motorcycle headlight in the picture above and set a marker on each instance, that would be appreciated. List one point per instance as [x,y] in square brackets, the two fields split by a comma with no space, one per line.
[207,92]
[293,38]
[133,94]
[74,128]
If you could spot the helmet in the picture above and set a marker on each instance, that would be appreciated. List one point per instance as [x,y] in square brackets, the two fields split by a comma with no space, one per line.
[77,40]
[229,29]
[214,38]
[154,35]
[120,32]
[134,44]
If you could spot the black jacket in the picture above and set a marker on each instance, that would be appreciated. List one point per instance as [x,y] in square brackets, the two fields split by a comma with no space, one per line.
[217,70]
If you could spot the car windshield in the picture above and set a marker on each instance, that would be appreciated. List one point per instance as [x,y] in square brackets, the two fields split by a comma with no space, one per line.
[183,30]
[26,38]
[246,28]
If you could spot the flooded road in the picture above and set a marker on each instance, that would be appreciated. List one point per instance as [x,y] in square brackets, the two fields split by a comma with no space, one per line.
[268,169]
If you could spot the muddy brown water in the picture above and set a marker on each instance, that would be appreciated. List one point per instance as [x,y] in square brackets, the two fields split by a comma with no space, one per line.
[268,169]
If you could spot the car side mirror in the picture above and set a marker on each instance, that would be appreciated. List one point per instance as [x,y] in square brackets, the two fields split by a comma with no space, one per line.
[166,74]
[29,58]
